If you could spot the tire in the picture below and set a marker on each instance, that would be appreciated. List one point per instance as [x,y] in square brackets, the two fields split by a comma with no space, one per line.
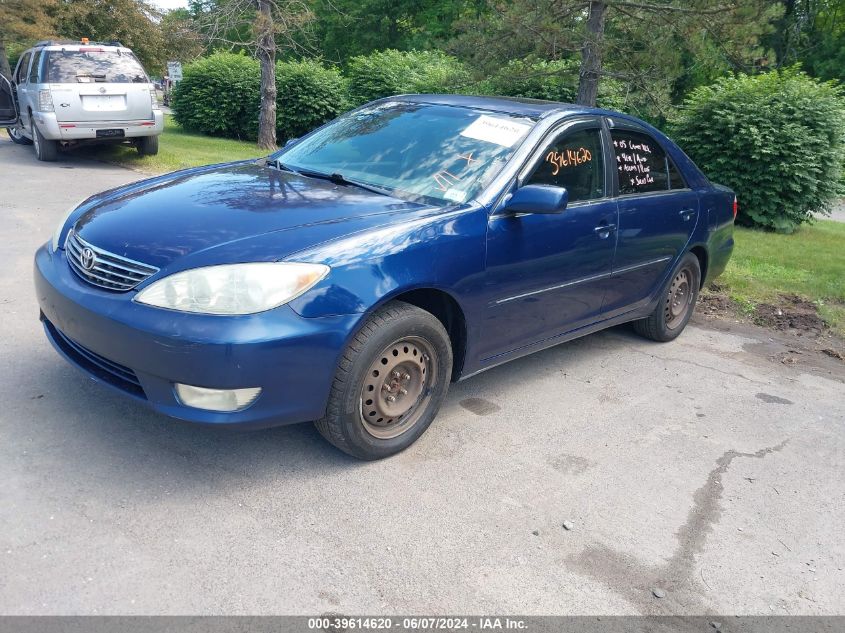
[676,305]
[16,134]
[401,352]
[147,145]
[45,149]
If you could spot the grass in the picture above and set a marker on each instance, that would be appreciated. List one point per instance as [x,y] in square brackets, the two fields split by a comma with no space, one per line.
[809,263]
[177,149]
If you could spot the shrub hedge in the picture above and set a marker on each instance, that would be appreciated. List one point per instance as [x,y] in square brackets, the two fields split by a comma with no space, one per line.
[390,72]
[219,95]
[777,139]
[308,95]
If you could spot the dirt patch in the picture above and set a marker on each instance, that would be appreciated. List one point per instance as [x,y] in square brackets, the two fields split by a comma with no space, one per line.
[791,313]
[801,329]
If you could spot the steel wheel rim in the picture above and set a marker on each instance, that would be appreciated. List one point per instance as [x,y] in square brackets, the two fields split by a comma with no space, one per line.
[397,387]
[15,133]
[679,299]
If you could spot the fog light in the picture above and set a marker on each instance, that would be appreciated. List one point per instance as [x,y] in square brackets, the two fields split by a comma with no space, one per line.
[217,399]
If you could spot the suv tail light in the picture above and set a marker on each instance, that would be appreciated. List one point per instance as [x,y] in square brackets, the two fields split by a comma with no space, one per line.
[153,99]
[45,101]
[736,207]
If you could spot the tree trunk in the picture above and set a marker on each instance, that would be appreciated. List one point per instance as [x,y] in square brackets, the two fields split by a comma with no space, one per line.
[4,61]
[588,83]
[267,58]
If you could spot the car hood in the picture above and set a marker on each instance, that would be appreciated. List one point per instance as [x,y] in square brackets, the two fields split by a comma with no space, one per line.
[187,213]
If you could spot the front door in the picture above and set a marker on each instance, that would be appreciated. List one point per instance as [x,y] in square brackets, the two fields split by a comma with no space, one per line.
[546,273]
[8,108]
[657,215]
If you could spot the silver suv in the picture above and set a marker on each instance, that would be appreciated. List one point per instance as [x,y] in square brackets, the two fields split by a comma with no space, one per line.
[69,93]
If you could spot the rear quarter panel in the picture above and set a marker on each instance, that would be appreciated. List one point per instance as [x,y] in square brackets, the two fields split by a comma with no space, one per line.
[717,209]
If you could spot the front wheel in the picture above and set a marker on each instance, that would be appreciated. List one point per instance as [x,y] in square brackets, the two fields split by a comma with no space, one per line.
[389,384]
[676,305]
[16,134]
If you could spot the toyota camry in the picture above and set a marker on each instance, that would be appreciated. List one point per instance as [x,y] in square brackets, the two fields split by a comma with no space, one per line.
[350,277]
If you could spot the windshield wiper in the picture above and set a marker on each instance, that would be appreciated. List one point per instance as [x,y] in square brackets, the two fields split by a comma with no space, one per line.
[340,179]
[275,163]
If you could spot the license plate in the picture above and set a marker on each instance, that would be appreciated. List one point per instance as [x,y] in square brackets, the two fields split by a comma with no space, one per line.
[103,103]
[110,133]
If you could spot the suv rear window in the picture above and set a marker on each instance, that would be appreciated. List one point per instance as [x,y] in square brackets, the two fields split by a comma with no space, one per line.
[89,66]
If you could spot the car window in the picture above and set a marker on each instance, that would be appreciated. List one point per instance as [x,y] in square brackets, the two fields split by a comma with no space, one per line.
[643,165]
[20,76]
[676,180]
[575,161]
[33,72]
[93,65]
[420,151]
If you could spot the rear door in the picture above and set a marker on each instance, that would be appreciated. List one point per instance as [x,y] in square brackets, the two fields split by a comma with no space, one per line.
[8,107]
[657,215]
[97,84]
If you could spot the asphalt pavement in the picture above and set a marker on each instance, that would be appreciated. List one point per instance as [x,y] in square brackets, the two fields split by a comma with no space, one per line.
[710,468]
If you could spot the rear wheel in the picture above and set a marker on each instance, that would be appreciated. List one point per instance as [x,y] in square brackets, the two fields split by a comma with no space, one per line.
[147,145]
[45,149]
[16,134]
[676,306]
[389,384]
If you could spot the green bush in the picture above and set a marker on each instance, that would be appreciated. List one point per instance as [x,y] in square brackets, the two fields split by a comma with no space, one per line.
[220,96]
[309,94]
[777,139]
[391,72]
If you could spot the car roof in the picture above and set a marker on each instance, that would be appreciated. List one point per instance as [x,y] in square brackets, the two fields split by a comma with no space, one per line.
[533,108]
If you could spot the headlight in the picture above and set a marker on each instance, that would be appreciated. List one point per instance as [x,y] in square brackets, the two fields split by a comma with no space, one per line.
[233,288]
[57,234]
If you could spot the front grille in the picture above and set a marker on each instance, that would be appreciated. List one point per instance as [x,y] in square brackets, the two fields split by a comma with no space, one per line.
[113,373]
[104,269]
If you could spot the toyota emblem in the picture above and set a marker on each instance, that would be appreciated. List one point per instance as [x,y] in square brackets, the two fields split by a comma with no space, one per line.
[102,91]
[87,258]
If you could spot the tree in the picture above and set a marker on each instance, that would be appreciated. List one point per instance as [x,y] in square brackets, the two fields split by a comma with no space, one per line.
[257,26]
[181,36]
[812,32]
[134,23]
[24,21]
[645,43]
[346,28]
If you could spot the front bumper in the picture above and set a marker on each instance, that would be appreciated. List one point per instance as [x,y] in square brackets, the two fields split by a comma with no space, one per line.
[142,351]
[56,130]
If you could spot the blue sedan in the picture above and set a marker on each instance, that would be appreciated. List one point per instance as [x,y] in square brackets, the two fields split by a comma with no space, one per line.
[351,276]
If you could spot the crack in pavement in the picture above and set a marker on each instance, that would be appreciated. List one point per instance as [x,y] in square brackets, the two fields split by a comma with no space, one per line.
[626,575]
[699,365]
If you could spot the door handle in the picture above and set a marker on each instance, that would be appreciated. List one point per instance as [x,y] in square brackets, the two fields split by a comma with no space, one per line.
[604,230]
[686,214]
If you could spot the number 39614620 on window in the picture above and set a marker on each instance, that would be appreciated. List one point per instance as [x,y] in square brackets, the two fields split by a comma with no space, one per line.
[350,277]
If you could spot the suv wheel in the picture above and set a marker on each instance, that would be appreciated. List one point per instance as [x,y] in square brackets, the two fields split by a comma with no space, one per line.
[16,134]
[147,145]
[45,149]
[389,384]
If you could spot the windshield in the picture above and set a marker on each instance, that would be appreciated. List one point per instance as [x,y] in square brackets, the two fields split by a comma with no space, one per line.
[437,153]
[93,65]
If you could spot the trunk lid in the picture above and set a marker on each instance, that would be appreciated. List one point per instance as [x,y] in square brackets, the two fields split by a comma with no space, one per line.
[102,102]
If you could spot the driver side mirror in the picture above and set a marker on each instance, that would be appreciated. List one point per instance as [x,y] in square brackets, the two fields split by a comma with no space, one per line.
[537,199]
